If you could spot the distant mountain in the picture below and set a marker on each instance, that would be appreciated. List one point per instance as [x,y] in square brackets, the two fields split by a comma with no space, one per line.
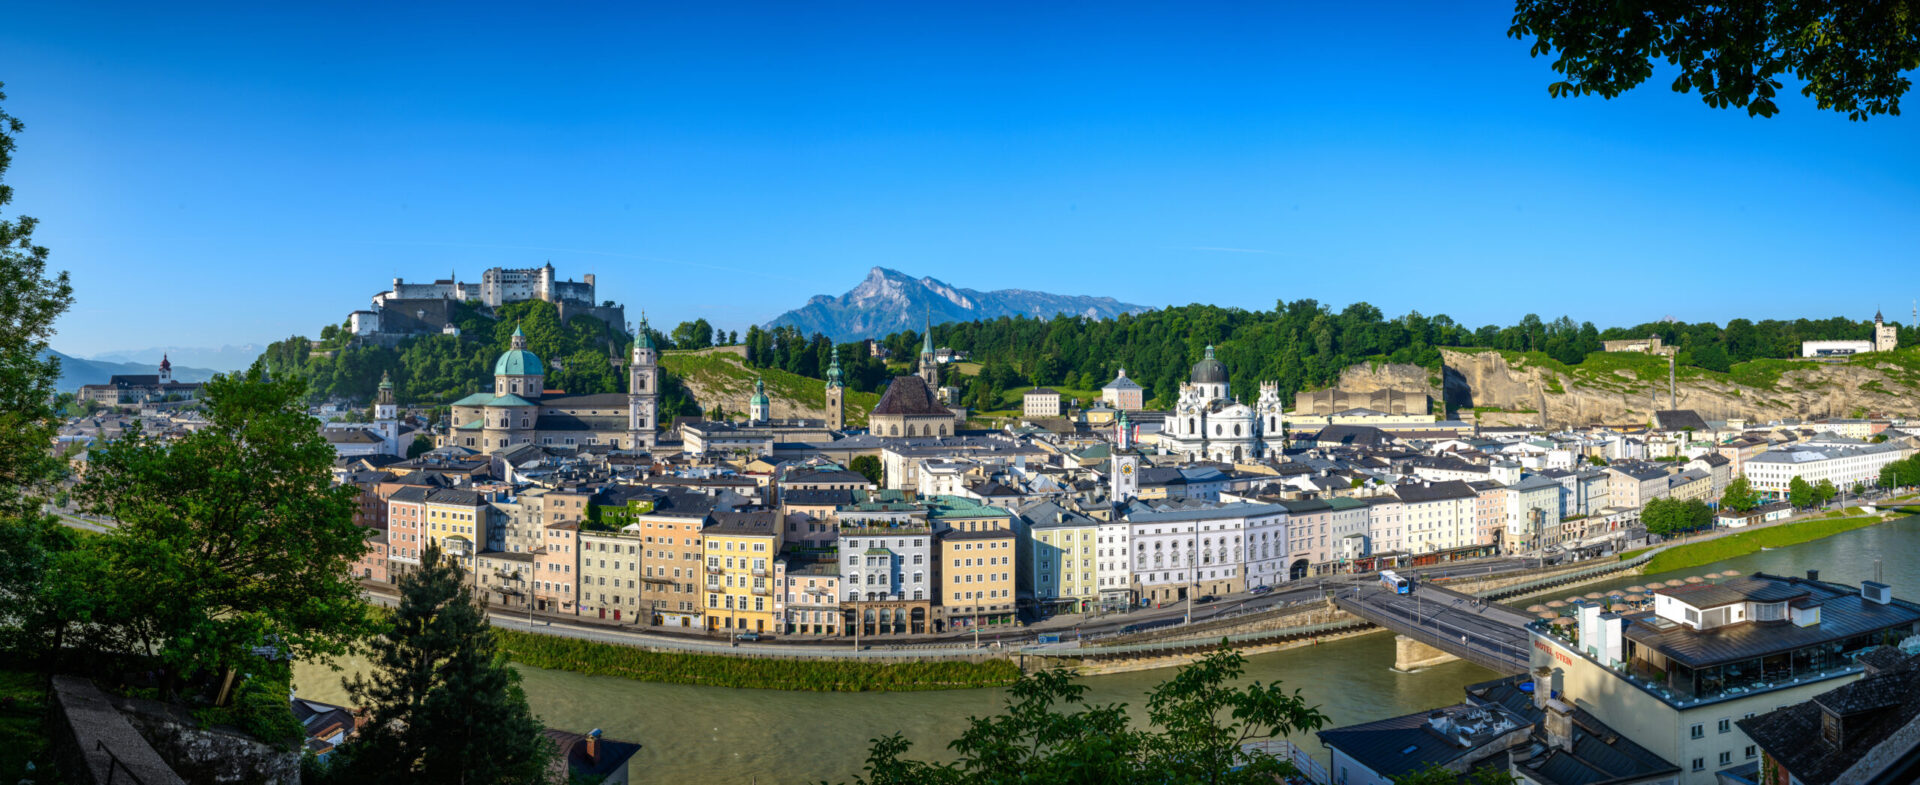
[75,371]
[889,301]
[225,358]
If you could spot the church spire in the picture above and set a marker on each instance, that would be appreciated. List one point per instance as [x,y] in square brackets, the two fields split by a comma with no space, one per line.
[926,338]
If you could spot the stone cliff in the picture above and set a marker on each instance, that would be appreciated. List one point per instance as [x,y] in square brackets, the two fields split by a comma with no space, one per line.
[1621,388]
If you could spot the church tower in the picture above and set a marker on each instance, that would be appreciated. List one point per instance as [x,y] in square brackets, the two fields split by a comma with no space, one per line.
[643,389]
[836,396]
[1886,337]
[1124,475]
[166,370]
[386,416]
[759,408]
[929,367]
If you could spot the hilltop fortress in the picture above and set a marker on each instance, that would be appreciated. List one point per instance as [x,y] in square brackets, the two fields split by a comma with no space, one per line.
[419,308]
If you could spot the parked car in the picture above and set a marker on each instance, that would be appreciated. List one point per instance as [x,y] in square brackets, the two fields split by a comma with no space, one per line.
[1205,599]
[747,636]
[1259,590]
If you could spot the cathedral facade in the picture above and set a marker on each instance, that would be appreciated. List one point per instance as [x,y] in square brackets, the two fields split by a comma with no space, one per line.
[518,410]
[1208,424]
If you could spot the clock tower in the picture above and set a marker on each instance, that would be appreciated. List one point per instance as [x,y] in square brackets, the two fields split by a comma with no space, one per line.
[1126,477]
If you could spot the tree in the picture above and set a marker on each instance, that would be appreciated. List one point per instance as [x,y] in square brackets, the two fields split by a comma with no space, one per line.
[29,303]
[1799,493]
[420,446]
[870,467]
[1435,774]
[443,705]
[1198,722]
[1739,496]
[233,535]
[1851,57]
[1824,492]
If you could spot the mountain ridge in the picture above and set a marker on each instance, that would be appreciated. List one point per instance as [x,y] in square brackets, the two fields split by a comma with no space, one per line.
[889,301]
[76,371]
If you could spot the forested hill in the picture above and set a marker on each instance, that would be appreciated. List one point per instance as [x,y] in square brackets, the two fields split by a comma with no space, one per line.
[1303,345]
[437,369]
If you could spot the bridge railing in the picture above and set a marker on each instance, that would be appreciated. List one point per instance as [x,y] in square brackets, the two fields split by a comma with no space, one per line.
[1527,587]
[1181,645]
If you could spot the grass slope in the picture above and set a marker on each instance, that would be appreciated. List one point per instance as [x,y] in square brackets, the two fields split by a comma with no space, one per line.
[726,371]
[1712,551]
[594,658]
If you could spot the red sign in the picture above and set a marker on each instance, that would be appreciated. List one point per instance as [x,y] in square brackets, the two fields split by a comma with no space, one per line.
[1558,655]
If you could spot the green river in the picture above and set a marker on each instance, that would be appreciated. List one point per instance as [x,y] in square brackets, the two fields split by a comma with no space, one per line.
[711,734]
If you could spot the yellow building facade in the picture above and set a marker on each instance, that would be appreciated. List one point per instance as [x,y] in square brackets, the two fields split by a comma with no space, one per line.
[740,595]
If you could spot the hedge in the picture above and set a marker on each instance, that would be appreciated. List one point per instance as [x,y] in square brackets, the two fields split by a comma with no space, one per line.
[594,658]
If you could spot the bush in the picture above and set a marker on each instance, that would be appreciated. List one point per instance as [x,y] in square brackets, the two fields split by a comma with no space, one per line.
[259,707]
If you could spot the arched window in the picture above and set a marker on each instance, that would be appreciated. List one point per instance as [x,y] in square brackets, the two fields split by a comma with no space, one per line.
[1236,429]
[1192,427]
[1218,429]
[943,430]
[893,430]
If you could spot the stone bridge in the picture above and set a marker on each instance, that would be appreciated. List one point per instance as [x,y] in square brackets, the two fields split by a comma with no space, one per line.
[1435,624]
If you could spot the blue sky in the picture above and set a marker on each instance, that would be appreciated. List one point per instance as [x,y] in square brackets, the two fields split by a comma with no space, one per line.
[227,174]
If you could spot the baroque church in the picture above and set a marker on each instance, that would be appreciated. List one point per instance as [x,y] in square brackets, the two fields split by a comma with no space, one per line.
[520,411]
[1207,424]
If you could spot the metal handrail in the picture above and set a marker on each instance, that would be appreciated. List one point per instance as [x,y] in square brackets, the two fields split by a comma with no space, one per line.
[113,763]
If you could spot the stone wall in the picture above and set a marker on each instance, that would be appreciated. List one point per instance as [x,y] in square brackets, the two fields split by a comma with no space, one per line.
[209,756]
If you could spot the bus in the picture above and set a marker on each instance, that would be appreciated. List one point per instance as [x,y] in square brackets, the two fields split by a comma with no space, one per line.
[1394,582]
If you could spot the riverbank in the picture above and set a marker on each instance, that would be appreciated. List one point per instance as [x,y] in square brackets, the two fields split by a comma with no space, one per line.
[1712,551]
[594,658]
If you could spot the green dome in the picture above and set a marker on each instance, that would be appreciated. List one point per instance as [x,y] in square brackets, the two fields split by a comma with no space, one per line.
[518,362]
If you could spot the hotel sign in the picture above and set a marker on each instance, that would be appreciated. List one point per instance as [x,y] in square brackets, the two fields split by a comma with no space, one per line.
[1553,651]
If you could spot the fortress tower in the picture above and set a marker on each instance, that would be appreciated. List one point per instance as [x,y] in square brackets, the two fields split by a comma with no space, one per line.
[1886,337]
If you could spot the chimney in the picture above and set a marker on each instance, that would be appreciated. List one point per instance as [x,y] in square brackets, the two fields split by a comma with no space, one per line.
[593,745]
[1559,725]
[1542,686]
[1813,575]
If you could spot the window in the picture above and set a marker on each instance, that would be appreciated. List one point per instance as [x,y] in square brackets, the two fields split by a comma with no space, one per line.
[1726,725]
[1751,752]
[1726,758]
[1697,731]
[1699,764]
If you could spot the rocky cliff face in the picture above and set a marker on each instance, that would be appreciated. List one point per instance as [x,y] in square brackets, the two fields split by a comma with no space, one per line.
[1517,391]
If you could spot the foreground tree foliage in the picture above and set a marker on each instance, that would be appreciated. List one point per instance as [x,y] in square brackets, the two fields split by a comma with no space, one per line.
[30,301]
[444,705]
[229,538]
[1851,57]
[1199,719]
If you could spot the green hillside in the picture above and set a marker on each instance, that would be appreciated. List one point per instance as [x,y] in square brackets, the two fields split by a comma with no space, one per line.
[723,378]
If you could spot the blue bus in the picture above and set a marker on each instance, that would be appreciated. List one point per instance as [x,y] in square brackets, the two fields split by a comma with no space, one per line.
[1395,583]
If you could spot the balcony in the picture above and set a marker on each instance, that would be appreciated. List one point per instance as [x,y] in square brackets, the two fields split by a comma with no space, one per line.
[759,572]
[714,569]
[713,587]
[763,591]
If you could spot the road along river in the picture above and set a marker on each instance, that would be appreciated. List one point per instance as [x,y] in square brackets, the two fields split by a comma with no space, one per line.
[711,734]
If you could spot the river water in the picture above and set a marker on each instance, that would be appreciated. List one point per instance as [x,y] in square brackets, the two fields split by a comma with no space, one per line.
[710,734]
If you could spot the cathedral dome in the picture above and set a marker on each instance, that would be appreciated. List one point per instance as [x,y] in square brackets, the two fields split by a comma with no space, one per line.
[517,361]
[1209,370]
